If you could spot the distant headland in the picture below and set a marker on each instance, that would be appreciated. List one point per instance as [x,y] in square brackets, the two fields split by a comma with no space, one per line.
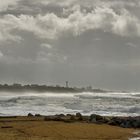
[45,88]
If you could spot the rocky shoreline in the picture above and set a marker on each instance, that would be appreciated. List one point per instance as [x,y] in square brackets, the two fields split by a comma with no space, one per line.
[62,127]
[125,122]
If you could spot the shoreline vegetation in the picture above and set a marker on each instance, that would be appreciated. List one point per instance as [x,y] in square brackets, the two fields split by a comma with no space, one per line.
[67,127]
[46,88]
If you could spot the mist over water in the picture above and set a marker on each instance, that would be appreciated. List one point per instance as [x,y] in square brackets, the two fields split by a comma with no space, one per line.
[114,104]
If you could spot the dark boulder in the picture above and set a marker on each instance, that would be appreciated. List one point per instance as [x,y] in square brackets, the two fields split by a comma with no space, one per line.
[37,115]
[79,116]
[60,115]
[30,115]
[69,115]
[115,121]
[52,118]
[72,117]
[96,118]
[135,122]
[47,118]
[126,122]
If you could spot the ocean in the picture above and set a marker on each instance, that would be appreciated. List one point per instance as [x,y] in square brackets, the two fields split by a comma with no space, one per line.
[106,104]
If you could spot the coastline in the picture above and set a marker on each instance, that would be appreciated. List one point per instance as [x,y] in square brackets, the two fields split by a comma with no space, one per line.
[61,127]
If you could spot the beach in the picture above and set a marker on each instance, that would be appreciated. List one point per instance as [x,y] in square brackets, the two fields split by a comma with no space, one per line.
[80,116]
[36,128]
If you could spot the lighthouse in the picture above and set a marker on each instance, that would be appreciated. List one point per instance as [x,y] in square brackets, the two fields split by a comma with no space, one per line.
[67,84]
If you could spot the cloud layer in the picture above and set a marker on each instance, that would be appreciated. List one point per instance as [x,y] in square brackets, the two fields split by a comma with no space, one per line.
[78,20]
[8,4]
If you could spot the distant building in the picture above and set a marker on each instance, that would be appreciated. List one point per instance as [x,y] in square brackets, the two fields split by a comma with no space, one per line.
[67,84]
[89,88]
[17,85]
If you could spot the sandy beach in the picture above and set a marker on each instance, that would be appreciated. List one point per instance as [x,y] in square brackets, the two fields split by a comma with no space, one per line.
[35,128]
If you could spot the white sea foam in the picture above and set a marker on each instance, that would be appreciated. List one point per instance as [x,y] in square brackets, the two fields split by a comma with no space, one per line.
[115,104]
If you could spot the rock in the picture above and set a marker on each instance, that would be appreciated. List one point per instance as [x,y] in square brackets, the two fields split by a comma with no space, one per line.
[126,124]
[69,115]
[115,121]
[37,115]
[96,118]
[111,122]
[85,118]
[61,115]
[79,116]
[52,118]
[69,119]
[47,118]
[106,119]
[72,117]
[30,115]
[136,123]
[57,118]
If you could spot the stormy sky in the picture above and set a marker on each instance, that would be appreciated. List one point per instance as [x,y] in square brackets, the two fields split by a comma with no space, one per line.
[87,42]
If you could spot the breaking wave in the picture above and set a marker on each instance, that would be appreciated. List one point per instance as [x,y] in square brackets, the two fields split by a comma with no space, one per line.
[114,104]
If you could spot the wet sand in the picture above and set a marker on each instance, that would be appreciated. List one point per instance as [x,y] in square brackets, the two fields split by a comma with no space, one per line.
[35,128]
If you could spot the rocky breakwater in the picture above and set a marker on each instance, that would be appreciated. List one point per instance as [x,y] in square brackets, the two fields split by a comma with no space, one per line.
[125,122]
[67,118]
